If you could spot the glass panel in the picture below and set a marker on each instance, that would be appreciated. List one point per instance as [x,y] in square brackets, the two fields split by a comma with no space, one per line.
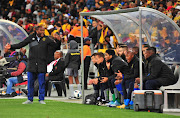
[4,39]
[126,28]
[164,36]
[16,34]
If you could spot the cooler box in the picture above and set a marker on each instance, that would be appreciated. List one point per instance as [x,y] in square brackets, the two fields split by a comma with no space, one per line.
[148,100]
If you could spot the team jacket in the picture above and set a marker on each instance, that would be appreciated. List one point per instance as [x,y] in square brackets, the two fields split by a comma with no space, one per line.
[37,52]
[159,71]
[72,58]
[117,63]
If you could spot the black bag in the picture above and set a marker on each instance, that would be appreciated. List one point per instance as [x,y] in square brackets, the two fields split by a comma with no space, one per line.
[91,99]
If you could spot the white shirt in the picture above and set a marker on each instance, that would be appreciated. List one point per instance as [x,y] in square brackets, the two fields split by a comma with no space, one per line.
[50,66]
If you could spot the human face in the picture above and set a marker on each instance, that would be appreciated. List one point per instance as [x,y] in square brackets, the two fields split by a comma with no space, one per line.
[129,57]
[56,55]
[40,32]
[120,51]
[99,59]
[94,24]
[107,56]
[147,54]
[144,49]
[93,59]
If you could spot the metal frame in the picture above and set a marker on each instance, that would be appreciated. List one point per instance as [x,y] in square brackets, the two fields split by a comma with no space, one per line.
[12,23]
[166,109]
[140,9]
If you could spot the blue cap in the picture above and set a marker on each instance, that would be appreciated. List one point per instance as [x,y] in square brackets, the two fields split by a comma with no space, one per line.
[87,39]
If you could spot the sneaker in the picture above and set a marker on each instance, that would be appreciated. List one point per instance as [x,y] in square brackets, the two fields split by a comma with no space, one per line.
[131,107]
[108,104]
[71,97]
[42,102]
[7,95]
[127,107]
[121,106]
[116,103]
[27,102]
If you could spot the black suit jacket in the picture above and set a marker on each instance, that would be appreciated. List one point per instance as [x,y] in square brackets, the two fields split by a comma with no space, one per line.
[57,72]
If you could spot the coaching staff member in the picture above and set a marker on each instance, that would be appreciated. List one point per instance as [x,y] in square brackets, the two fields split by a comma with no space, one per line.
[37,67]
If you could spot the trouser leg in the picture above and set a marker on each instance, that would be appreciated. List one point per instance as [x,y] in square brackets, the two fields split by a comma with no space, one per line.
[41,79]
[31,78]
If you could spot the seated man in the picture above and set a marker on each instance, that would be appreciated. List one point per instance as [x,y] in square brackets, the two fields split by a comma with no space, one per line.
[16,76]
[103,72]
[114,64]
[127,80]
[158,73]
[57,73]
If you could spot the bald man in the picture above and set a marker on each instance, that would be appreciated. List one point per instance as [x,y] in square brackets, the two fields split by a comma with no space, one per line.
[128,79]
[57,73]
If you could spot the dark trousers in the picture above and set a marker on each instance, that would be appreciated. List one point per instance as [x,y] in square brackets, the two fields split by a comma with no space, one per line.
[58,87]
[31,79]
[102,87]
[111,85]
[128,84]
[152,85]
[86,70]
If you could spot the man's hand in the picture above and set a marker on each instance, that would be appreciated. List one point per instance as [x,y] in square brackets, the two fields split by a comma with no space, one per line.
[137,80]
[47,74]
[104,80]
[8,46]
[93,81]
[119,74]
[117,82]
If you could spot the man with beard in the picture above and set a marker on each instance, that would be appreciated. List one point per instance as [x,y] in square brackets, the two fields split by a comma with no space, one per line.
[37,65]
[122,50]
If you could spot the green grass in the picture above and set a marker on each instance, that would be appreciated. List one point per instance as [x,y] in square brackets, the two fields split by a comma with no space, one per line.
[13,108]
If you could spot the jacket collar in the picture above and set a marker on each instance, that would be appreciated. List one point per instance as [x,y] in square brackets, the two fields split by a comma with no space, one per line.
[151,57]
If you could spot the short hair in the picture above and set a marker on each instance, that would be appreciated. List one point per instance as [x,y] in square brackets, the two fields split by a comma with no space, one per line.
[94,54]
[39,26]
[153,49]
[120,44]
[136,48]
[100,54]
[110,52]
[146,45]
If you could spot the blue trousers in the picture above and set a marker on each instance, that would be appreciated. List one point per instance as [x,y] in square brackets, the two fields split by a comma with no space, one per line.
[10,82]
[31,78]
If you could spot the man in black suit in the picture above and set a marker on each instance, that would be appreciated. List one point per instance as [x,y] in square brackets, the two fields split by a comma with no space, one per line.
[57,73]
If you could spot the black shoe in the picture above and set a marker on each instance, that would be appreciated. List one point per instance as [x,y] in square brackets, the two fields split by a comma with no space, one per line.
[6,95]
[13,94]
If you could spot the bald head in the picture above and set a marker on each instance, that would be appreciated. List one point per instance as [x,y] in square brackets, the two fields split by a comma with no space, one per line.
[129,56]
[58,54]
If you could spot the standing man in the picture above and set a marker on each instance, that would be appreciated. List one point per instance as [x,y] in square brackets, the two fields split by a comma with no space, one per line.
[87,59]
[37,65]
[72,63]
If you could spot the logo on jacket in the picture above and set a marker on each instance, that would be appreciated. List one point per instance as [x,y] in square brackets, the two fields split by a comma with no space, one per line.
[44,39]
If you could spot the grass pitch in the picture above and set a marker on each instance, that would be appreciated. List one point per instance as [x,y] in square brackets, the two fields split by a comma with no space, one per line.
[13,108]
